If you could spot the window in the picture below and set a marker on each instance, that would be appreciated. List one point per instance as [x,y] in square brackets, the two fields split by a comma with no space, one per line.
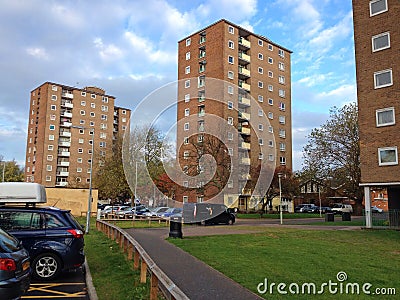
[187,97]
[185,199]
[103,144]
[91,123]
[230,151]
[83,94]
[186,140]
[200,138]
[52,117]
[93,96]
[104,108]
[260,155]
[186,183]
[260,70]
[79,170]
[53,97]
[186,126]
[80,150]
[282,133]
[49,168]
[188,42]
[260,84]
[104,117]
[381,41]
[50,147]
[202,68]
[230,59]
[83,103]
[281,66]
[81,141]
[230,89]
[271,157]
[281,79]
[187,55]
[230,105]
[202,53]
[54,88]
[202,38]
[93,105]
[270,101]
[377,7]
[282,93]
[187,70]
[103,135]
[270,74]
[51,137]
[271,115]
[53,107]
[48,178]
[103,126]
[270,87]
[281,53]
[104,99]
[187,83]
[230,74]
[82,112]
[282,106]
[270,47]
[387,156]
[282,119]
[260,43]
[260,141]
[201,125]
[385,117]
[230,184]
[282,160]
[383,78]
[92,114]
[231,44]
[79,160]
[270,129]
[123,112]
[230,136]
[187,112]
[271,143]
[270,60]
[231,29]
[52,127]
[260,112]
[260,127]
[201,81]
[230,120]
[282,146]
[186,154]
[260,98]
[49,157]
[260,56]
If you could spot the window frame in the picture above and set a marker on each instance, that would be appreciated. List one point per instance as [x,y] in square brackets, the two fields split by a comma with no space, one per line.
[371,14]
[382,72]
[387,33]
[385,110]
[380,150]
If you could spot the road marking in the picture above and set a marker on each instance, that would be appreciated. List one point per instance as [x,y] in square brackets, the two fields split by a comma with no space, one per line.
[49,290]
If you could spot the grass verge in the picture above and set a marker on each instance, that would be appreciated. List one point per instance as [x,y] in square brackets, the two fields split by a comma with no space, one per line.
[299,256]
[277,216]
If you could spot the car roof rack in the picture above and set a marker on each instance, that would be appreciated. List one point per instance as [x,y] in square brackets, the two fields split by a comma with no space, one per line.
[19,193]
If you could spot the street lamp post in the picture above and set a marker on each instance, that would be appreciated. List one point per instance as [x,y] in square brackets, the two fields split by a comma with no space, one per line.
[90,179]
[280,197]
[4,170]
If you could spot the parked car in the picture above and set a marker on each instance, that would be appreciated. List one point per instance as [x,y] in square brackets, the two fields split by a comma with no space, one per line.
[339,208]
[376,209]
[208,213]
[155,211]
[52,236]
[324,209]
[170,211]
[112,210]
[14,267]
[307,207]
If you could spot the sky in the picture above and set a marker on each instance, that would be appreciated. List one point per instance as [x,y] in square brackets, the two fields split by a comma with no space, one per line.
[129,48]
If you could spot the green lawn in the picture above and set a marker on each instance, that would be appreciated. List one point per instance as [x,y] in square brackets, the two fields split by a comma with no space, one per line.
[299,256]
[277,216]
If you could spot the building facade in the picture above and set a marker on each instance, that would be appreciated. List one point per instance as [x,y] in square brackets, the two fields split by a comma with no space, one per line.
[377,48]
[64,121]
[244,79]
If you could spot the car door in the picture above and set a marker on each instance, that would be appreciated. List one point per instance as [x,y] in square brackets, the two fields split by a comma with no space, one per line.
[24,225]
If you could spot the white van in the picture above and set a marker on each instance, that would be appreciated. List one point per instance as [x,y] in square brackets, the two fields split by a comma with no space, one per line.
[339,208]
[22,192]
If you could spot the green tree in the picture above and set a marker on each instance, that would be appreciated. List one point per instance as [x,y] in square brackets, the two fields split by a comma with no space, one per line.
[333,151]
[11,170]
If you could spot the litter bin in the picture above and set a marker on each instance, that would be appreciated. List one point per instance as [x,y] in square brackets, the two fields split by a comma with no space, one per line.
[346,216]
[175,227]
[329,217]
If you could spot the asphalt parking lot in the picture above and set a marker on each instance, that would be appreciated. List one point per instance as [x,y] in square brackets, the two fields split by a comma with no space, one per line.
[69,285]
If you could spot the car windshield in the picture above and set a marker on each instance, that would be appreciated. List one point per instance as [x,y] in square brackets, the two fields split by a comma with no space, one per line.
[8,243]
[337,205]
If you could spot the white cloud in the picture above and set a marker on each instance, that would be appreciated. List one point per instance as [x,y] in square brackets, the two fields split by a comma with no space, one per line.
[37,52]
[236,10]
[107,52]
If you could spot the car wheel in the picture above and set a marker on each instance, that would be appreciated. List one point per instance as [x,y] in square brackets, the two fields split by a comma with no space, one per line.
[46,266]
[230,222]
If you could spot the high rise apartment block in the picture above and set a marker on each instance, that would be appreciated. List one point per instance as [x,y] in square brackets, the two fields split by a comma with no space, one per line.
[377,48]
[228,62]
[64,121]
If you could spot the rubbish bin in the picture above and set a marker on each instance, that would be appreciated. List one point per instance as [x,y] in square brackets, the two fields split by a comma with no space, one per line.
[175,227]
[329,217]
[346,216]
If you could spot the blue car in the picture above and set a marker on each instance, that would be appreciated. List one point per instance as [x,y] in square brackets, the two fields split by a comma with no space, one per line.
[14,267]
[52,236]
[171,211]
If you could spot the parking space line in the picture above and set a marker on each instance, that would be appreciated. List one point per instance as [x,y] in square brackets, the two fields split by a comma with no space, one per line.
[48,289]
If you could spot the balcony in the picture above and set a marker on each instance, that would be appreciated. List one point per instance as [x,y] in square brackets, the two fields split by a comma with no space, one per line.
[201,114]
[243,100]
[244,130]
[65,133]
[244,58]
[245,177]
[63,163]
[245,145]
[245,43]
[64,153]
[244,72]
[244,86]
[66,124]
[246,191]
[64,144]
[61,183]
[66,114]
[64,174]
[68,95]
[245,161]
[67,104]
[244,115]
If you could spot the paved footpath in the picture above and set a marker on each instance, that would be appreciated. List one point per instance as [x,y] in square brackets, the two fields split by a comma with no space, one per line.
[196,279]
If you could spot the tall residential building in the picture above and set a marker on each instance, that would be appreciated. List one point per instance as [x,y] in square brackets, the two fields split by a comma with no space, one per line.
[62,122]
[377,48]
[243,78]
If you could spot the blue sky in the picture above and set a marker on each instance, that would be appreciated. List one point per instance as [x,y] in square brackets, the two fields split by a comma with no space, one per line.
[129,48]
